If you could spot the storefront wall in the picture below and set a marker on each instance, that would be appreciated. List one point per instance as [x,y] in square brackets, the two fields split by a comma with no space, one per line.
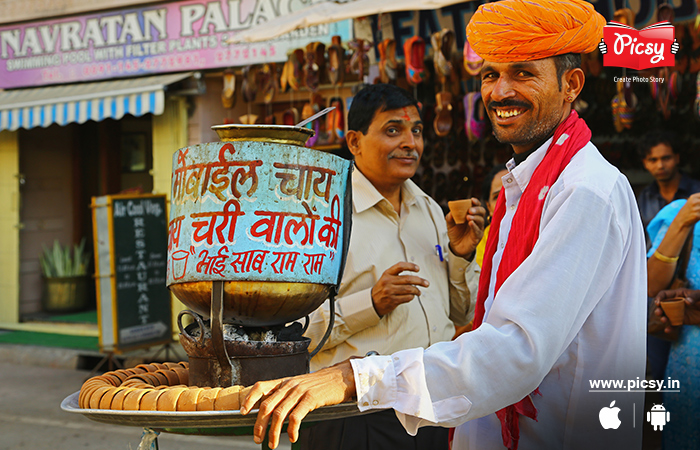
[9,222]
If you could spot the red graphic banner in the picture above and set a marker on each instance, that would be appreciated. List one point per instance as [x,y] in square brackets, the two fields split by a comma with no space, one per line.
[638,49]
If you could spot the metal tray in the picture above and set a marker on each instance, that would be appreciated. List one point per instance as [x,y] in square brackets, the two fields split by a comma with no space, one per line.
[171,421]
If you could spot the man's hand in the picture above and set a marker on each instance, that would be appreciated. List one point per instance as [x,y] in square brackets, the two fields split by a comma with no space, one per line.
[392,289]
[466,236]
[692,307]
[295,397]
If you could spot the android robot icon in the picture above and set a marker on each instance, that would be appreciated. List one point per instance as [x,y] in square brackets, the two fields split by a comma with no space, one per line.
[658,417]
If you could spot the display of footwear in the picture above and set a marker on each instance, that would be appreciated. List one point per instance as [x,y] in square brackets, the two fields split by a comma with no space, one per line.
[442,42]
[442,124]
[623,113]
[336,62]
[414,52]
[249,119]
[267,82]
[249,87]
[696,105]
[476,124]
[290,117]
[359,61]
[390,65]
[315,64]
[472,61]
[295,74]
[335,121]
[694,54]
[624,16]
[228,94]
[309,109]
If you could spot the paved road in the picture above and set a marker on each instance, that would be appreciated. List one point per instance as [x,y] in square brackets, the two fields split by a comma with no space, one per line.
[31,418]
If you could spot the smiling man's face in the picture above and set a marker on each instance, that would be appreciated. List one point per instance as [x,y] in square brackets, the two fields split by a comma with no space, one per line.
[523,101]
[389,153]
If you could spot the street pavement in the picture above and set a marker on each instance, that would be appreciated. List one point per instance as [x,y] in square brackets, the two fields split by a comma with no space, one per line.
[31,417]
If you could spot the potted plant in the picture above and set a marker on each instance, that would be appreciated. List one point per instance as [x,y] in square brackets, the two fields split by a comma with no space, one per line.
[65,277]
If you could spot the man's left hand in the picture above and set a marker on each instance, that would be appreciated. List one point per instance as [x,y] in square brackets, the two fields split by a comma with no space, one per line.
[466,236]
[295,397]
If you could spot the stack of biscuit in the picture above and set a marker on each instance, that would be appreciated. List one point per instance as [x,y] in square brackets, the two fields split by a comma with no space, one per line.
[156,387]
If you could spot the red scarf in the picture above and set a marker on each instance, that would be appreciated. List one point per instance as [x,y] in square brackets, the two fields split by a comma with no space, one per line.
[522,237]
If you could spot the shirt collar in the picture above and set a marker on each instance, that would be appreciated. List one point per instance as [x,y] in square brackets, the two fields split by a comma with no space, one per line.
[365,195]
[523,172]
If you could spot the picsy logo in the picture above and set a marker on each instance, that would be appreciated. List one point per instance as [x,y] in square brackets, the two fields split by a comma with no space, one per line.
[653,46]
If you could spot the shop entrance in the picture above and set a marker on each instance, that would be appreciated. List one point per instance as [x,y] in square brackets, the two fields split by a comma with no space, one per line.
[62,168]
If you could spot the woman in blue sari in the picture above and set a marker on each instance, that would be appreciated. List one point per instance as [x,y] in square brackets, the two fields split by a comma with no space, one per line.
[668,232]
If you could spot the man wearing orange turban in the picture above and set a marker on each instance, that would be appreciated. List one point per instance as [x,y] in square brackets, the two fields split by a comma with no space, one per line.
[558,352]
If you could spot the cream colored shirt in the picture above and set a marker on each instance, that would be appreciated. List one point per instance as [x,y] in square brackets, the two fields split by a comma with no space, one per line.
[381,238]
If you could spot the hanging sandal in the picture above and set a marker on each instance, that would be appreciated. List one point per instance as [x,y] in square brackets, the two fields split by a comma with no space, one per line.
[472,61]
[249,86]
[228,94]
[414,52]
[359,61]
[268,82]
[476,124]
[295,73]
[443,113]
[290,117]
[391,66]
[336,62]
[249,119]
[442,47]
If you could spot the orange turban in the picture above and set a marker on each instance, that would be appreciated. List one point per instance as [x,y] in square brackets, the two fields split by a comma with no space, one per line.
[525,30]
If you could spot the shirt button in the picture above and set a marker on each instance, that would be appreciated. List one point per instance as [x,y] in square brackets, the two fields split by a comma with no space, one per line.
[413,258]
[375,402]
[502,245]
[396,358]
[365,404]
[509,180]
[434,328]
[512,207]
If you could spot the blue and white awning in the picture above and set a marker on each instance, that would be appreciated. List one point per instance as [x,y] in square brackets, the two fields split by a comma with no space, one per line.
[78,103]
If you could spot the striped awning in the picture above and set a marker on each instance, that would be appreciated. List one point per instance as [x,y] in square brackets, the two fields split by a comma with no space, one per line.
[78,103]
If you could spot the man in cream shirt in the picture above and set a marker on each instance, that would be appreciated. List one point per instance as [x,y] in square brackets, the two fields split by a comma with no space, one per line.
[406,277]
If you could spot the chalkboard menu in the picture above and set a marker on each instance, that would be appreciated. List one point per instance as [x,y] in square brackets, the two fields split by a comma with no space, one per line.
[131,244]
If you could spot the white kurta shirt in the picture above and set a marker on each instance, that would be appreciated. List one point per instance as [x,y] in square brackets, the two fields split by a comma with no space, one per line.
[572,312]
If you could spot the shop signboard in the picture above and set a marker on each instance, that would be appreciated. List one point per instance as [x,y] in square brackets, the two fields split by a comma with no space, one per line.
[133,302]
[164,37]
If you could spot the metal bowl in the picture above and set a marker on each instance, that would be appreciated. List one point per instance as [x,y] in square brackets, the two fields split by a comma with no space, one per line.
[282,134]
[255,303]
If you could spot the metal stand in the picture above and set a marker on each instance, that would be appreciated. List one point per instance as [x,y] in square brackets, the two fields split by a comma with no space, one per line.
[168,349]
[112,362]
[225,375]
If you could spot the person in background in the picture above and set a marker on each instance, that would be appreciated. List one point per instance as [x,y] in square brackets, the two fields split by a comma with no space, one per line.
[661,158]
[561,301]
[408,270]
[489,194]
[668,232]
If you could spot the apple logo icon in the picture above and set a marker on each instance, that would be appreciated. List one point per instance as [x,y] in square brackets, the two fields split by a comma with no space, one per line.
[608,417]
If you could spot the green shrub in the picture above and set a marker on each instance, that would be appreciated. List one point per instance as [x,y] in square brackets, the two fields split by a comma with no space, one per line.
[60,261]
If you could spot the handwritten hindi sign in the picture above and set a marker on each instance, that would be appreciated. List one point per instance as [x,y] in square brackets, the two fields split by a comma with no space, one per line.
[134,302]
[256,211]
